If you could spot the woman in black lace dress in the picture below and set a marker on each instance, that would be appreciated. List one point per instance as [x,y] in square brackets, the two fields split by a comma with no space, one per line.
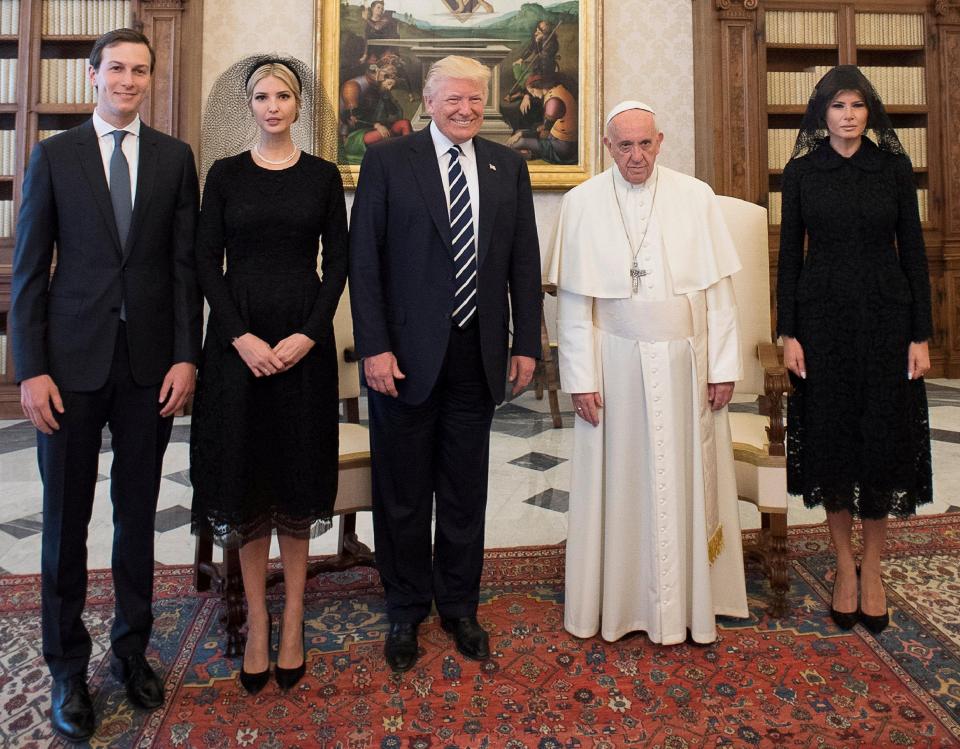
[854,314]
[264,430]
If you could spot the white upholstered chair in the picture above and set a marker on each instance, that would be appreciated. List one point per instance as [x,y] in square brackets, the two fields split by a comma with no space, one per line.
[354,494]
[758,439]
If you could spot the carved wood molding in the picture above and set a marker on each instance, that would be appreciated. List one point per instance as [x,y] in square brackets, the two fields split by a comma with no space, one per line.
[950,9]
[738,109]
[747,4]
[950,41]
[164,4]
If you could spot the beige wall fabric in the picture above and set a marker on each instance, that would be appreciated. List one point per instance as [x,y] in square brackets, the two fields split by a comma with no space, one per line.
[648,55]
[233,29]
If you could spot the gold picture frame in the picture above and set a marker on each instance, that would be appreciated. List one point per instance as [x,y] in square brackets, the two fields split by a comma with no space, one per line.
[371,62]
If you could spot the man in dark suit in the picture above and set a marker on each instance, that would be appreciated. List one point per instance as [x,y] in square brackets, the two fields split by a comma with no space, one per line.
[111,338]
[443,246]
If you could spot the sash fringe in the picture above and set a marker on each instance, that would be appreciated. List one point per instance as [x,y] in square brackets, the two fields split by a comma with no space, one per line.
[715,544]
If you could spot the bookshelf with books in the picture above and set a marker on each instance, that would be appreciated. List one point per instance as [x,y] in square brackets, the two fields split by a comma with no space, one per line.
[45,89]
[756,63]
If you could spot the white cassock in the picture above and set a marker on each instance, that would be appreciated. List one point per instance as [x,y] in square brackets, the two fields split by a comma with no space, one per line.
[653,539]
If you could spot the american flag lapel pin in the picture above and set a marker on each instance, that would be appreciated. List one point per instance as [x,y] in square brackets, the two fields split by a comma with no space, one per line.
[492,167]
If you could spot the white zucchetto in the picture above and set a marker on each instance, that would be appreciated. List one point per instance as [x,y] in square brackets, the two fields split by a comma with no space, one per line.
[625,106]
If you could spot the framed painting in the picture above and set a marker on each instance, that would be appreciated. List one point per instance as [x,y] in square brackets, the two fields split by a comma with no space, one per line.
[545,83]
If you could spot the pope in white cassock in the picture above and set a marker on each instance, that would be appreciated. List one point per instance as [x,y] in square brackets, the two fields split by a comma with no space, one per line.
[649,349]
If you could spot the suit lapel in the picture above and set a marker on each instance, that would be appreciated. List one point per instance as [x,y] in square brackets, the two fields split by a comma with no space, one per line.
[426,168]
[92,163]
[146,171]
[489,201]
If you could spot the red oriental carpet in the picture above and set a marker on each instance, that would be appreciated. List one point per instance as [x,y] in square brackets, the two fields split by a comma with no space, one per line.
[795,682]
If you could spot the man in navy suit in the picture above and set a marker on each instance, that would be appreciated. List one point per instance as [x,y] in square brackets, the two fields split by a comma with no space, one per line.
[111,338]
[443,248]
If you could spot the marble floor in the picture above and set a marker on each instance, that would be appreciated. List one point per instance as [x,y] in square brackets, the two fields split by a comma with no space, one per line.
[529,477]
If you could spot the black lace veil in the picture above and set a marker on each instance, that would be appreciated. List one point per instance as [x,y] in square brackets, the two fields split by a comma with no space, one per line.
[229,128]
[813,128]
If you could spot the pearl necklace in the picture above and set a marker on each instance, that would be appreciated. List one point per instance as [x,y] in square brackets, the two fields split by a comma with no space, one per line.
[271,161]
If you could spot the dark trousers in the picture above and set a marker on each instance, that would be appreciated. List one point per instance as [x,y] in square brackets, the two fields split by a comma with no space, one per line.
[68,466]
[439,448]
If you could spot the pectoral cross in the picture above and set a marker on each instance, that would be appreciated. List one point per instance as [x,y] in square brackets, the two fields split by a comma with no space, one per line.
[635,274]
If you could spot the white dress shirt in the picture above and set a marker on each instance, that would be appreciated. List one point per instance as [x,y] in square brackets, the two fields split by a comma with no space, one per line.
[468,162]
[131,148]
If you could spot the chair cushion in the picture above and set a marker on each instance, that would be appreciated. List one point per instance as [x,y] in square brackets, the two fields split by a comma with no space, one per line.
[354,487]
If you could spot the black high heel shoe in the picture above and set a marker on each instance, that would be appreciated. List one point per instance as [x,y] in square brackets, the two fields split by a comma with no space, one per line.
[876,623]
[844,619]
[255,683]
[288,677]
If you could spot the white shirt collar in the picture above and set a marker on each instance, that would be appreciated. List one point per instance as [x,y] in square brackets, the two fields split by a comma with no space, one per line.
[443,144]
[625,186]
[103,127]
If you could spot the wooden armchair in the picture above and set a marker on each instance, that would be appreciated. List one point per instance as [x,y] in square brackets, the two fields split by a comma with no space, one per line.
[546,377]
[758,439]
[354,494]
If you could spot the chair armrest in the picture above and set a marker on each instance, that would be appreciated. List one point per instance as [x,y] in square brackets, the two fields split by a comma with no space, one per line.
[770,356]
[776,384]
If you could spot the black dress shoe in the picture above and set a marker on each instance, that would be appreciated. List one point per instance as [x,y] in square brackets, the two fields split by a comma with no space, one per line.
[471,639]
[288,677]
[875,624]
[254,682]
[401,648]
[144,688]
[71,711]
[845,619]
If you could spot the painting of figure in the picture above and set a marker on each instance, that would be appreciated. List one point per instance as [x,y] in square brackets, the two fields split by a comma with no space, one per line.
[533,49]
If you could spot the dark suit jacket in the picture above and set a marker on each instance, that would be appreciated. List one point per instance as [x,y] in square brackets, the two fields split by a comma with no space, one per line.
[66,326]
[401,265]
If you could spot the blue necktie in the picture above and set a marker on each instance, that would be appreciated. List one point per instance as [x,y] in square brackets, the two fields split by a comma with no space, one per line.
[464,247]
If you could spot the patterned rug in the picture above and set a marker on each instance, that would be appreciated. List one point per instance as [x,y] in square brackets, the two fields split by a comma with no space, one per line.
[794,682]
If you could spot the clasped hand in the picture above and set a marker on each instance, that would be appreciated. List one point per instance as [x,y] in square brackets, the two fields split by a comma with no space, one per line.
[264,360]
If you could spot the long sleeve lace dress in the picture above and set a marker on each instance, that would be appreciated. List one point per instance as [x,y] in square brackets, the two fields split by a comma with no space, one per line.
[858,431]
[263,451]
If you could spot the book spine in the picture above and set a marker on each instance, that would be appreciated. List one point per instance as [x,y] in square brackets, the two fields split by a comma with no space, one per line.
[774,211]
[60,68]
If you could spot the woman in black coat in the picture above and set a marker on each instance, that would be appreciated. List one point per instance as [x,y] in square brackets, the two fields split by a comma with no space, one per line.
[854,314]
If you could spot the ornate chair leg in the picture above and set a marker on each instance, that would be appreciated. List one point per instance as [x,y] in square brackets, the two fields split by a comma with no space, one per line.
[204,570]
[233,602]
[776,559]
[555,409]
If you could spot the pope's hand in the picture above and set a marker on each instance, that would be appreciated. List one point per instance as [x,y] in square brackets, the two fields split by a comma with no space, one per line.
[719,394]
[587,406]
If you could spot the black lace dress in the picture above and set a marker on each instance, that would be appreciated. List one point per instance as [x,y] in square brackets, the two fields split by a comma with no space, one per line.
[858,435]
[263,451]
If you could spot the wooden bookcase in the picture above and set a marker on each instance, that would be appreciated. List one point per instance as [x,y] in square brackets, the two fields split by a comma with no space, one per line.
[38,37]
[756,62]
